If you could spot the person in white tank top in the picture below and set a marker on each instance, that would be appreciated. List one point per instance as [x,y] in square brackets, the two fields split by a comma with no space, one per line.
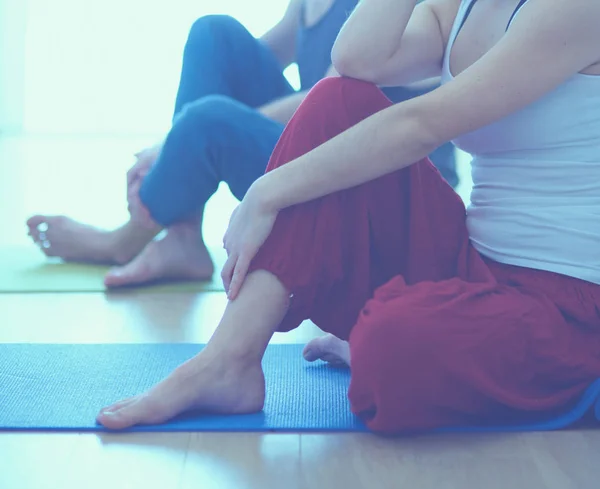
[447,316]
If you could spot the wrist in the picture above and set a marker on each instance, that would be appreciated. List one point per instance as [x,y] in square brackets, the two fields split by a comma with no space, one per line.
[263,193]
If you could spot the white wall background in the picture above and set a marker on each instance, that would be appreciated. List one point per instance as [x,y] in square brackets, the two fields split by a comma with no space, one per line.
[12,63]
[89,82]
[101,66]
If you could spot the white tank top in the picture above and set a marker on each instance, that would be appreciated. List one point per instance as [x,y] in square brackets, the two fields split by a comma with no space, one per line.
[536,179]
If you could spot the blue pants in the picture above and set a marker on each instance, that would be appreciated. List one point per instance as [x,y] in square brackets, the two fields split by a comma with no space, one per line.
[217,134]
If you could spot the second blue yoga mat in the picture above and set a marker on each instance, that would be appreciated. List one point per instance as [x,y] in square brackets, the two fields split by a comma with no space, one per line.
[62,387]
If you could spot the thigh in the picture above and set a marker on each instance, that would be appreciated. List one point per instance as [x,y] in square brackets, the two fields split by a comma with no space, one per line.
[452,353]
[222,58]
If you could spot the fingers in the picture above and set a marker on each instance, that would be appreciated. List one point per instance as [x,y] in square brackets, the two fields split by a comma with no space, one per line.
[239,274]
[132,175]
[133,195]
[135,171]
[234,273]
[227,272]
[133,189]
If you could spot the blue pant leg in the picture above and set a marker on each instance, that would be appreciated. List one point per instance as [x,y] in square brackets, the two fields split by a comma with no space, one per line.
[214,139]
[222,58]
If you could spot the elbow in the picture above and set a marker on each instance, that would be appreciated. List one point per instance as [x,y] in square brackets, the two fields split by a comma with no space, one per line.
[417,127]
[349,64]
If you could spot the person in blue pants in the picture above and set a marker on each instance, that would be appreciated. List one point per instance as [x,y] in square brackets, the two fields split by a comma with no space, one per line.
[231,107]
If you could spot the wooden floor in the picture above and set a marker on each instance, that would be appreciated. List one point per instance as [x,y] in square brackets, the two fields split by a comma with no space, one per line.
[565,460]
[85,77]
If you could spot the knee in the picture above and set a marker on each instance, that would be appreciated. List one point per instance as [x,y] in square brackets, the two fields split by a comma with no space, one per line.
[212,115]
[339,84]
[332,94]
[336,89]
[210,27]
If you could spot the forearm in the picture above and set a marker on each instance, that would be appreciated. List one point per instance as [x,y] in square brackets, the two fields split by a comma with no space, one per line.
[372,33]
[383,143]
[282,110]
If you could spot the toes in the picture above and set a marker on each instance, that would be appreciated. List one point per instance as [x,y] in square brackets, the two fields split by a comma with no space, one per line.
[34,221]
[135,411]
[123,417]
[132,274]
[310,354]
[118,405]
[36,232]
[52,221]
[313,350]
[333,359]
[116,277]
[328,349]
[33,224]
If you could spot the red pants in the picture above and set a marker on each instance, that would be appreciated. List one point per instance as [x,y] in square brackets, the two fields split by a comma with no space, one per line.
[439,335]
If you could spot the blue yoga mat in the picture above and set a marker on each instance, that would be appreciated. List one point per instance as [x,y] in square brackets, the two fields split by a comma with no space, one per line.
[62,387]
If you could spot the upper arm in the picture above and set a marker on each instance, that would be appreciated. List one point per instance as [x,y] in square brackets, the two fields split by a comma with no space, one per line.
[547,43]
[420,52]
[281,38]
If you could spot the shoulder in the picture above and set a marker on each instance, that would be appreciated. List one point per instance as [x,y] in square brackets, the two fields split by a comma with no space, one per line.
[548,42]
[558,37]
[558,18]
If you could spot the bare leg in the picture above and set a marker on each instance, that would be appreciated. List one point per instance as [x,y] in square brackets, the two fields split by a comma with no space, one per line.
[330,349]
[226,377]
[180,255]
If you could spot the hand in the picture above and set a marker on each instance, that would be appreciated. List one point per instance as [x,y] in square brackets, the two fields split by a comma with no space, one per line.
[249,227]
[144,161]
[136,174]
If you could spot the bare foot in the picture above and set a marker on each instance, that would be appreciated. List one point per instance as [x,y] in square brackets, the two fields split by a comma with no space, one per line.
[74,241]
[330,349]
[180,255]
[216,387]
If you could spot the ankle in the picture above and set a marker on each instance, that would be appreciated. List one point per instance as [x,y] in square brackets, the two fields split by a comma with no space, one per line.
[217,366]
[232,358]
[130,239]
[188,232]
